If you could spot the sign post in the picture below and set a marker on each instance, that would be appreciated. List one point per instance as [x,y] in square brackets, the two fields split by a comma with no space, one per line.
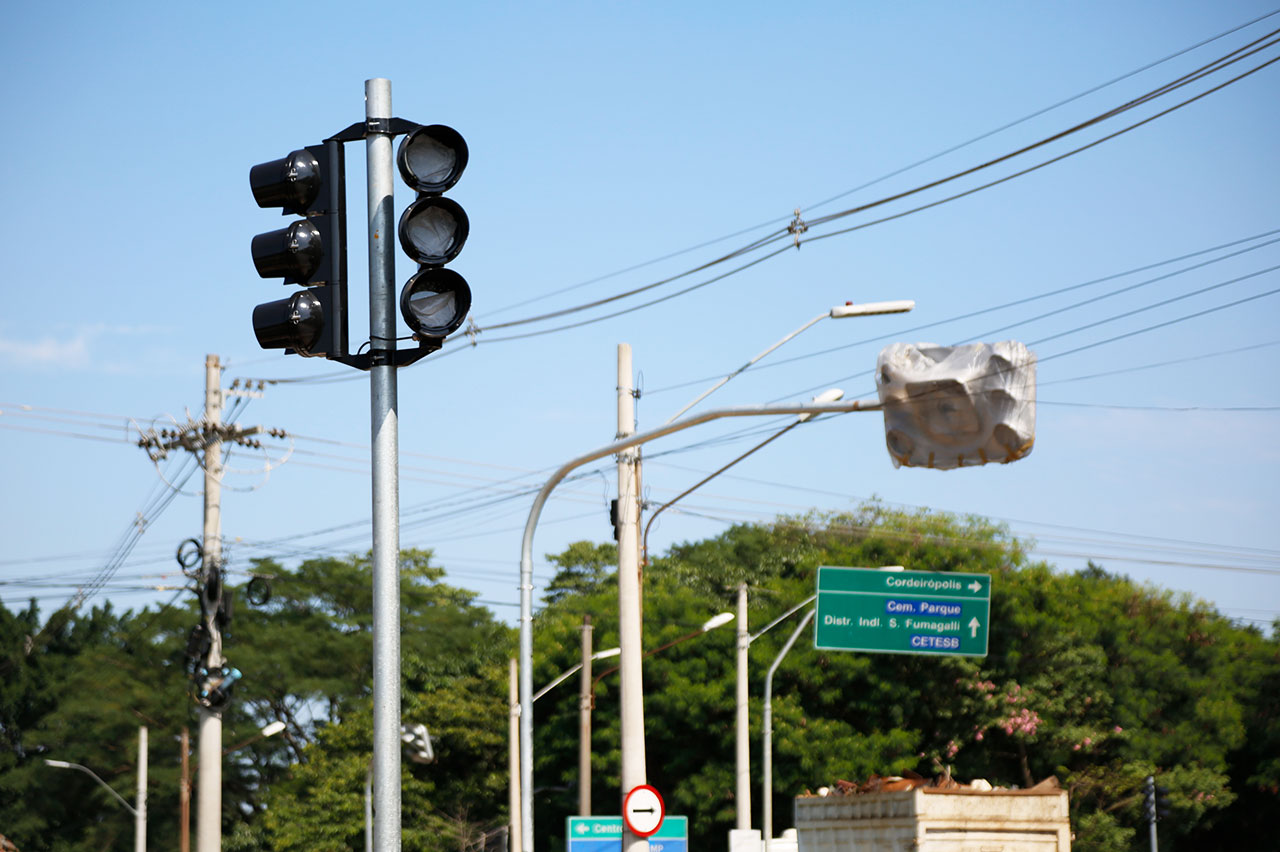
[902,612]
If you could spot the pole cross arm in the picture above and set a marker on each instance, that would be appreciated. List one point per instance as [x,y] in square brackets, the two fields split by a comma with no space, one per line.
[526,550]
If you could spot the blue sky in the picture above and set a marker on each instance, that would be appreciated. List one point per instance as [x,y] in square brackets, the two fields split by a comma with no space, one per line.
[602,137]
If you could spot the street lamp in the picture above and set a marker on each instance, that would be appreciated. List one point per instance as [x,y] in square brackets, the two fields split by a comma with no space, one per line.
[767,725]
[526,556]
[584,737]
[826,396]
[848,309]
[268,730]
[140,812]
[569,672]
[711,623]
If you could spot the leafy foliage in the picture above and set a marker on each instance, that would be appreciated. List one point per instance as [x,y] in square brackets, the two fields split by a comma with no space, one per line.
[1091,679]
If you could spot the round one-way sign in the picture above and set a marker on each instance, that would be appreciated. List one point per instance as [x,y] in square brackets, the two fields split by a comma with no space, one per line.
[642,810]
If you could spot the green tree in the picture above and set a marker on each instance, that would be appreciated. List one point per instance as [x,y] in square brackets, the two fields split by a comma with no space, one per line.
[313,645]
[1091,679]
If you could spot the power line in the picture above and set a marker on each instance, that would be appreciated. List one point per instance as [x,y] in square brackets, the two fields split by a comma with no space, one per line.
[904,169]
[1025,300]
[1216,65]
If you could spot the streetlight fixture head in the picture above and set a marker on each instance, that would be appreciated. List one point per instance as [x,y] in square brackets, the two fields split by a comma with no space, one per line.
[848,309]
[60,764]
[830,395]
[716,621]
[607,652]
[272,729]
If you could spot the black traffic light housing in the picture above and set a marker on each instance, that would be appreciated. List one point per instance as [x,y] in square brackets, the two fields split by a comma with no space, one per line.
[311,251]
[435,301]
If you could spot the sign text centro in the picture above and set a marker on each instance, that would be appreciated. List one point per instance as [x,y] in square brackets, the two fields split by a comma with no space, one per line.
[902,612]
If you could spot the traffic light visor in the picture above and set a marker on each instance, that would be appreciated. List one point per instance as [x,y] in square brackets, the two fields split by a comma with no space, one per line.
[292,182]
[431,159]
[433,230]
[435,302]
[293,253]
[292,323]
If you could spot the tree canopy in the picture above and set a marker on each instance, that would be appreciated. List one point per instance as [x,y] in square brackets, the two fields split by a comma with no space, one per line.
[1090,678]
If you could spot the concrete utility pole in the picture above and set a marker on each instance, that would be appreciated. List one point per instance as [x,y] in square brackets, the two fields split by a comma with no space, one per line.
[204,438]
[585,699]
[629,623]
[742,767]
[140,813]
[209,792]
[184,795]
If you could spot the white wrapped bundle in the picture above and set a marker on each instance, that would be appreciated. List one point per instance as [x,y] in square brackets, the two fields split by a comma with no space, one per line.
[957,406]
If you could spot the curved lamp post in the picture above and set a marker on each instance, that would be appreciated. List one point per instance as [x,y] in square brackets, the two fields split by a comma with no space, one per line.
[768,729]
[848,309]
[140,812]
[526,557]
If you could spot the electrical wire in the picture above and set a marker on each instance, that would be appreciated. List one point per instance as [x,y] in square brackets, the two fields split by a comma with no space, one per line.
[1023,301]
[1218,64]
[907,168]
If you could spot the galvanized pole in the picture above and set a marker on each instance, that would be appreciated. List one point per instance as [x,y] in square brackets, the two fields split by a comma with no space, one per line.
[768,731]
[386,487]
[209,790]
[1152,834]
[742,767]
[515,837]
[584,722]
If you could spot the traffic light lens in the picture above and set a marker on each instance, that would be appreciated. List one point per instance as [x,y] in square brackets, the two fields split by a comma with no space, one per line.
[435,302]
[431,159]
[433,230]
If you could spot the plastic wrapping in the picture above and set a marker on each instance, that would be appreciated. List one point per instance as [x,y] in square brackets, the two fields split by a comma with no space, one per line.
[957,406]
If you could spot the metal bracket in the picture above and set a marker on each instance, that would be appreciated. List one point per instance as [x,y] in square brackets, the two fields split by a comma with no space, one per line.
[394,357]
[364,129]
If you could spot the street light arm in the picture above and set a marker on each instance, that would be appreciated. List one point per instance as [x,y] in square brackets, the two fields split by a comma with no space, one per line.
[754,636]
[526,553]
[644,547]
[62,764]
[706,393]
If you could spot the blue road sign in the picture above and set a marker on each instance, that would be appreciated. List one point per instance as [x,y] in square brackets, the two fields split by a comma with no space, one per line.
[604,834]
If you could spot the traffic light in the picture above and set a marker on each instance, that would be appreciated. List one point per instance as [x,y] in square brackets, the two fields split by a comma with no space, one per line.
[1162,802]
[311,251]
[434,301]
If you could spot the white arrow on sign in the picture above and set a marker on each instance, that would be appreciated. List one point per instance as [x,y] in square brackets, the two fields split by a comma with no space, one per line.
[973,627]
[975,586]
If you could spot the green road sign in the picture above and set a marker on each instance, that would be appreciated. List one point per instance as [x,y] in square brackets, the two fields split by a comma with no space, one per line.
[902,612]
[604,834]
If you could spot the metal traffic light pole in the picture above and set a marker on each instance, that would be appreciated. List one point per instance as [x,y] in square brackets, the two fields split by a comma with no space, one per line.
[384,428]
